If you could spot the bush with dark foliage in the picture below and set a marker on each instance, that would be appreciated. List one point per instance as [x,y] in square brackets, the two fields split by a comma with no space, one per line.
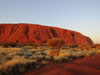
[5,45]
[12,44]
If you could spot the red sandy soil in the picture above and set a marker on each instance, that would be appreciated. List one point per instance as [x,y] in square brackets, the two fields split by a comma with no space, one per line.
[83,66]
[34,33]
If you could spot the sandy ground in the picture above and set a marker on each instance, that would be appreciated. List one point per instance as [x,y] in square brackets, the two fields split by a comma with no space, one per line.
[83,66]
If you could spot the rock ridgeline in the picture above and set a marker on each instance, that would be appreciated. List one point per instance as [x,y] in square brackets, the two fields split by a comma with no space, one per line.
[34,33]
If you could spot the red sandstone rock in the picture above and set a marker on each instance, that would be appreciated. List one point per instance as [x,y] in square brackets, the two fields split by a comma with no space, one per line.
[34,33]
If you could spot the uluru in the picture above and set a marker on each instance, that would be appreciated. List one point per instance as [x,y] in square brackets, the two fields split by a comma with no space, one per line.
[34,33]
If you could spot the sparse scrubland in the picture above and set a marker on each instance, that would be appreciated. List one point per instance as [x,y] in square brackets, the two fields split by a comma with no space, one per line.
[16,58]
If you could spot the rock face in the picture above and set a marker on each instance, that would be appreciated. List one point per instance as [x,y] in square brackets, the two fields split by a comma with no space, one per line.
[34,33]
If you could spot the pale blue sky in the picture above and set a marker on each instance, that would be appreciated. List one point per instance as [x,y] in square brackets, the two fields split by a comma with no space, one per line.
[79,15]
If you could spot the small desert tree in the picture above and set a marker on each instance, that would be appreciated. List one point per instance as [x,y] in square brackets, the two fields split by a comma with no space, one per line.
[55,42]
[12,44]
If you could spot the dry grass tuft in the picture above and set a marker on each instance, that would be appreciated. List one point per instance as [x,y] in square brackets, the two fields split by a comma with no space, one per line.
[86,55]
[16,65]
[86,47]
[54,52]
[96,46]
[64,54]
[44,62]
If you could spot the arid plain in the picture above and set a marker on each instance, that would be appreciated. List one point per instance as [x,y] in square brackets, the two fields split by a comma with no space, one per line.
[30,49]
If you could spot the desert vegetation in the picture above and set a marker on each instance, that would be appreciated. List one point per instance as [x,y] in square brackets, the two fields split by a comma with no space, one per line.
[55,43]
[7,44]
[17,58]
